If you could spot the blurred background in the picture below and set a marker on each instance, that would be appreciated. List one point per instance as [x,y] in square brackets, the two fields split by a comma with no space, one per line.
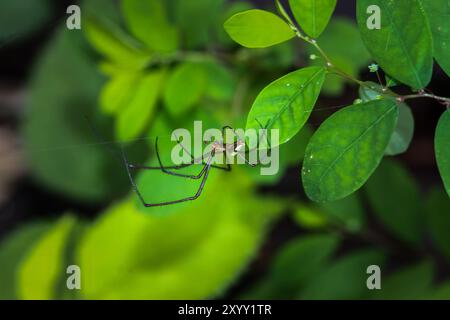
[140,69]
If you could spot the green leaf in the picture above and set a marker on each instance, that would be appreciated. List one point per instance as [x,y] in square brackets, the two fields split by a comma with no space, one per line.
[118,91]
[438,216]
[298,262]
[313,15]
[66,86]
[221,83]
[342,43]
[438,12]
[348,212]
[403,134]
[148,21]
[407,284]
[347,148]
[344,279]
[395,198]
[403,46]
[131,255]
[44,264]
[441,142]
[287,103]
[198,29]
[12,251]
[185,87]
[310,218]
[258,29]
[114,45]
[136,115]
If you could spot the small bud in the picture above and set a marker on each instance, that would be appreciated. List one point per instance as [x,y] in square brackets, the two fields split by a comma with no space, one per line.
[373,67]
[313,57]
[358,101]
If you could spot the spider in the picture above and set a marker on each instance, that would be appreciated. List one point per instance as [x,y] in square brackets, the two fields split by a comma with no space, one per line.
[217,147]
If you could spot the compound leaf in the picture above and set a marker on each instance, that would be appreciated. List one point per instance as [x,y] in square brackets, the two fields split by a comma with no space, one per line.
[258,29]
[347,148]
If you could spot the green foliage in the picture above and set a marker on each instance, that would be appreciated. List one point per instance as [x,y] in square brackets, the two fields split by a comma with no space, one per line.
[287,102]
[12,251]
[45,259]
[406,53]
[258,29]
[56,132]
[438,217]
[337,165]
[313,15]
[21,18]
[389,186]
[115,46]
[185,87]
[342,42]
[410,283]
[130,255]
[403,134]
[438,12]
[148,21]
[294,266]
[141,106]
[343,279]
[442,150]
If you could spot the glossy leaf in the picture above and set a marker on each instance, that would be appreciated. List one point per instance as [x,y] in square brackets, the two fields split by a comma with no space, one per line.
[44,264]
[185,86]
[287,103]
[438,216]
[13,250]
[258,29]
[347,148]
[438,12]
[403,134]
[137,113]
[442,148]
[390,186]
[403,47]
[148,21]
[344,279]
[313,15]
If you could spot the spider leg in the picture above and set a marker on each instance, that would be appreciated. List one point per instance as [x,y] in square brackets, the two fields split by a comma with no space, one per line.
[206,170]
[190,176]
[227,168]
